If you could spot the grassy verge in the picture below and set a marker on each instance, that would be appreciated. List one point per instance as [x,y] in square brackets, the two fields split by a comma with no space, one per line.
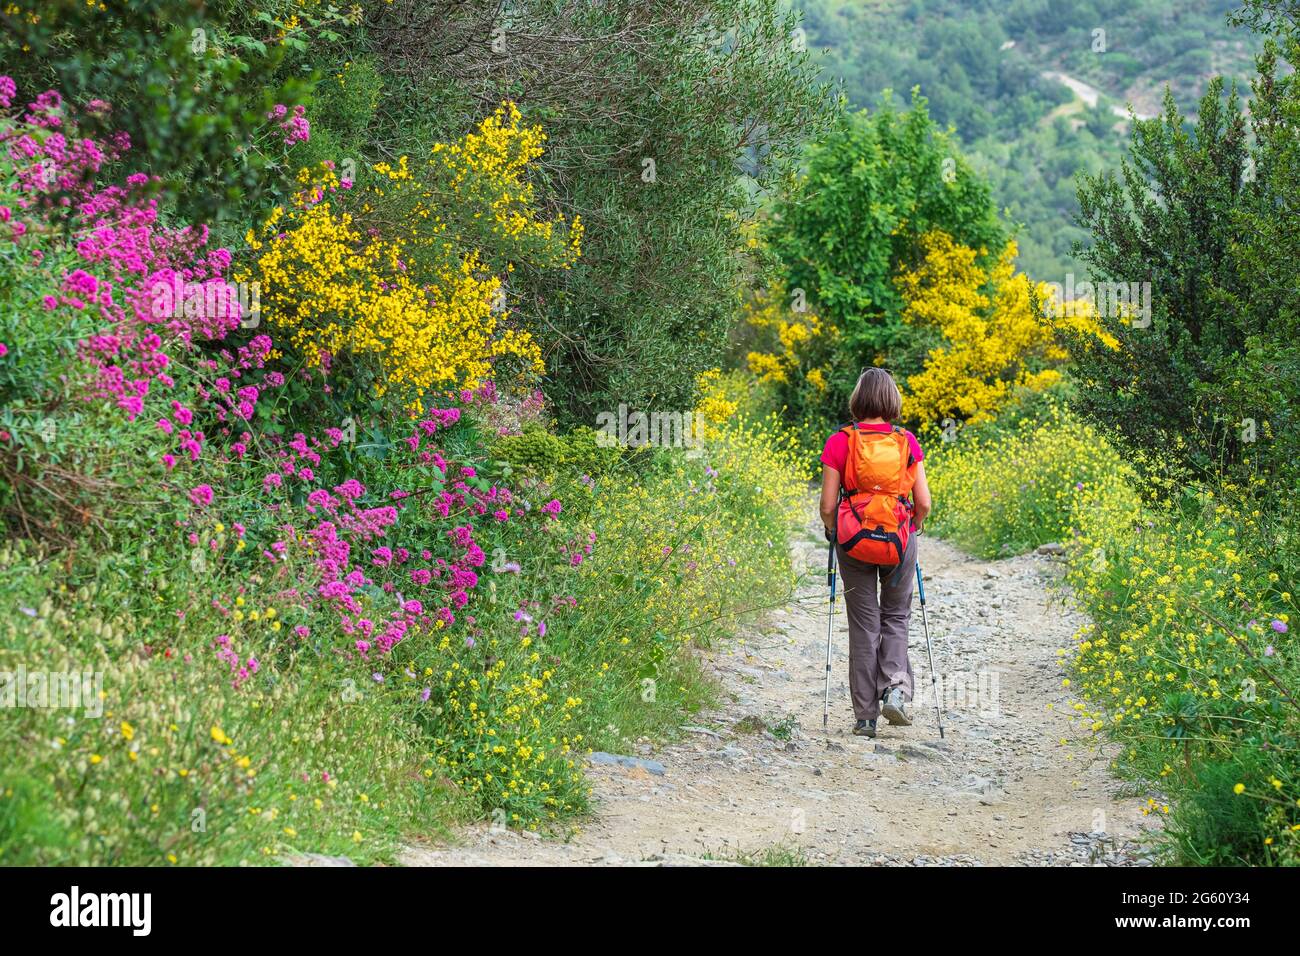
[266,600]
[1187,662]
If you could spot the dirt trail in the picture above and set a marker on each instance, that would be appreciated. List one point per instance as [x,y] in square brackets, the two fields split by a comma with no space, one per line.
[1000,789]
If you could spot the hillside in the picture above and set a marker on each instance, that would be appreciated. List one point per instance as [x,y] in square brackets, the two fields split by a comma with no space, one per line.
[1035,92]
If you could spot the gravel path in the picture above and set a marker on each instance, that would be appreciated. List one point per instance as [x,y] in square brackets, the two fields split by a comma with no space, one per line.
[759,778]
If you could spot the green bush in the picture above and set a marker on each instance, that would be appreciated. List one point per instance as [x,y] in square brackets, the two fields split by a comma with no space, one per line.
[191,94]
[541,453]
[1199,214]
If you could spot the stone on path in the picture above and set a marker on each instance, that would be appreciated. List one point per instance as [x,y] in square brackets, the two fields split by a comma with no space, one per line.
[653,766]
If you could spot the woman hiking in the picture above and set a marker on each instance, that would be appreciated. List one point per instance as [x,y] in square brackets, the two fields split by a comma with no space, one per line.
[874,498]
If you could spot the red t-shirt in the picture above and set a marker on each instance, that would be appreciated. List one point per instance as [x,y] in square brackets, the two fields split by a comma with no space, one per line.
[836,452]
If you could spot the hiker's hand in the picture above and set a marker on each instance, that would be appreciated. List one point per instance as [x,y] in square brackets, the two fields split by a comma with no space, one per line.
[830,535]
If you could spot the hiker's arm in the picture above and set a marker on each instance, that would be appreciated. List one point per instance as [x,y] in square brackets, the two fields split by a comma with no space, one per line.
[831,496]
[920,496]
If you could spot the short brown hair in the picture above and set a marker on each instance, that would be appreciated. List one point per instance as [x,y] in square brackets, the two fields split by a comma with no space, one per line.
[875,396]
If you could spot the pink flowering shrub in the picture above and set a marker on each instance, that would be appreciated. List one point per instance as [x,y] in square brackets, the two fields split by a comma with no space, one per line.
[286,547]
[182,376]
[452,586]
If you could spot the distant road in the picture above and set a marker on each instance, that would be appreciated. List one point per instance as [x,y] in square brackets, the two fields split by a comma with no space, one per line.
[1088,93]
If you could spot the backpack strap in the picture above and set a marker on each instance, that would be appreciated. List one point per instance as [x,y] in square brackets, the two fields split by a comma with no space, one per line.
[911,459]
[850,432]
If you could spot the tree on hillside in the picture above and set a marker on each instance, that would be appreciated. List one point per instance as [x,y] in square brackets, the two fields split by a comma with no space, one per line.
[1207,218]
[875,185]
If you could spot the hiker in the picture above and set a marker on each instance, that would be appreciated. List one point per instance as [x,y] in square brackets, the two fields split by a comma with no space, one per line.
[869,470]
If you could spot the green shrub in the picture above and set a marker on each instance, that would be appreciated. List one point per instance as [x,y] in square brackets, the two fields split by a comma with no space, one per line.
[191,94]
[541,453]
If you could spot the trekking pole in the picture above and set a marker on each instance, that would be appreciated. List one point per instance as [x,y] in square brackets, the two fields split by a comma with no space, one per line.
[934,689]
[830,619]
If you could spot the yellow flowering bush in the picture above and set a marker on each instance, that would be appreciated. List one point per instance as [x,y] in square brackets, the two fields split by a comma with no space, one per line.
[997,339]
[1007,489]
[797,341]
[792,361]
[760,454]
[502,735]
[1188,662]
[477,189]
[429,309]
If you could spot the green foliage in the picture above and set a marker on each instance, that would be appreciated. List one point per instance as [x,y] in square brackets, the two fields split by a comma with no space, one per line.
[192,101]
[1267,15]
[1211,825]
[1202,214]
[1187,663]
[545,454]
[129,603]
[243,718]
[778,854]
[1014,484]
[1183,656]
[56,477]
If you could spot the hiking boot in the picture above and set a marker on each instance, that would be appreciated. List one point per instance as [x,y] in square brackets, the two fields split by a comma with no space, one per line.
[893,708]
[864,728]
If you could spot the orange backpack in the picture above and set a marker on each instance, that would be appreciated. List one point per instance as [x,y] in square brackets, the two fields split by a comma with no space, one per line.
[875,515]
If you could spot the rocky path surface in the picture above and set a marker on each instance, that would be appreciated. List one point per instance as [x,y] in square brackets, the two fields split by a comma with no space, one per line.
[1012,783]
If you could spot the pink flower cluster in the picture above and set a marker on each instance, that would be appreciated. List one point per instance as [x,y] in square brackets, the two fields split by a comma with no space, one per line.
[296,129]
[241,669]
[128,259]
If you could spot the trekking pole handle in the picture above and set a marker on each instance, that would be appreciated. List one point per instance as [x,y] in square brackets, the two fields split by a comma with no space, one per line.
[831,540]
[920,583]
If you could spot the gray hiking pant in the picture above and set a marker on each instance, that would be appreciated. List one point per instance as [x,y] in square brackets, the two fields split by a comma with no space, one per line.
[878,601]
